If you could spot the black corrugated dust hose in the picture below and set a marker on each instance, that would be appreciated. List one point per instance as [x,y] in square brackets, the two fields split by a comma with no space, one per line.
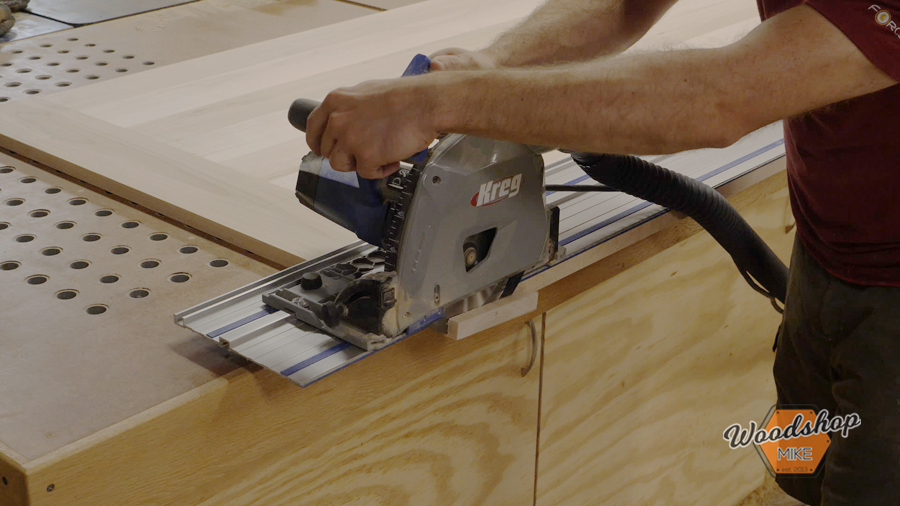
[628,174]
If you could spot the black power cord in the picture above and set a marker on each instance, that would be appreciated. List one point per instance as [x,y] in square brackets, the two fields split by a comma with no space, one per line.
[758,265]
[578,188]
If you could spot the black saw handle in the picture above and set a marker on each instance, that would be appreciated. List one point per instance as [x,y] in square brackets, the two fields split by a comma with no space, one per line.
[300,111]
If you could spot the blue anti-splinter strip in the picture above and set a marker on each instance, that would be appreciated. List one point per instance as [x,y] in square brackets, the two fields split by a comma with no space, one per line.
[316,358]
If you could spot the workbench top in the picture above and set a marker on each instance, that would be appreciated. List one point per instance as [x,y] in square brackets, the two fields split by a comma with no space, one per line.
[200,151]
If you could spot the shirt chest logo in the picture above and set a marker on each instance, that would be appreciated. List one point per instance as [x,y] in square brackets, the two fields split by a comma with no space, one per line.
[883,17]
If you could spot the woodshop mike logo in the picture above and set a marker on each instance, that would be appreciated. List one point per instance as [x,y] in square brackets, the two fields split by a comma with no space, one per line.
[793,440]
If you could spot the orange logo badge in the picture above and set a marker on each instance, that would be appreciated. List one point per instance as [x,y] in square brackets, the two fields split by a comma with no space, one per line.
[793,440]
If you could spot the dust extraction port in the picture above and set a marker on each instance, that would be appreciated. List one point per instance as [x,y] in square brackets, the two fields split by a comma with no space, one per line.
[109,279]
[79,264]
[187,250]
[219,262]
[51,251]
[9,265]
[65,225]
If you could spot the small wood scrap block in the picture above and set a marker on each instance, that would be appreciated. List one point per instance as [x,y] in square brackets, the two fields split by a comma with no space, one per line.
[491,315]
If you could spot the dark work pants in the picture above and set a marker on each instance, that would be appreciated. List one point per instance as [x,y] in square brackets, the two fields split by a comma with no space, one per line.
[839,349]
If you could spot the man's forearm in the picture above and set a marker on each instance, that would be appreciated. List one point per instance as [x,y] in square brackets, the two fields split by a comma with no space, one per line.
[650,103]
[645,104]
[656,103]
[575,30]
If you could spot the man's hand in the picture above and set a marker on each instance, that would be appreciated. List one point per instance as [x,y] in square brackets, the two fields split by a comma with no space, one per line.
[370,127]
[455,58]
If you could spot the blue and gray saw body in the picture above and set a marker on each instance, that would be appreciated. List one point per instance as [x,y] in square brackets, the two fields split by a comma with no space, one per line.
[454,229]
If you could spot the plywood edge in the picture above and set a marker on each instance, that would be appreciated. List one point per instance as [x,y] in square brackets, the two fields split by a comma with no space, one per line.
[13,479]
[256,216]
[118,429]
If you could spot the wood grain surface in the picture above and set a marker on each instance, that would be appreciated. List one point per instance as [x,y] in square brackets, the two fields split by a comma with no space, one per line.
[427,421]
[643,372]
[94,53]
[206,142]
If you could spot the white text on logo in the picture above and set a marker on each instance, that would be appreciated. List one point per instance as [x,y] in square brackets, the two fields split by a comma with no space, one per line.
[883,18]
[495,191]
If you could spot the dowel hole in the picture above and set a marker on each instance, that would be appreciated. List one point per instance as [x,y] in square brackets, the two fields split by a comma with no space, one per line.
[139,293]
[38,279]
[180,277]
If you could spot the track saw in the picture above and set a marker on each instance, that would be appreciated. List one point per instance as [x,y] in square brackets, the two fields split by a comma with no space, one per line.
[454,229]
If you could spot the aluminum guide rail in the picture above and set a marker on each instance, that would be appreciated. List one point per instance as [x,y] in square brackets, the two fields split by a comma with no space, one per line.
[240,321]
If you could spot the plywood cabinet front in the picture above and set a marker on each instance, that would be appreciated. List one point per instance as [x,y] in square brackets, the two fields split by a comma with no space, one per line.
[644,372]
[426,421]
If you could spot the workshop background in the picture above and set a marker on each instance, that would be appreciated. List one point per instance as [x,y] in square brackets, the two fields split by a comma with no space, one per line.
[147,166]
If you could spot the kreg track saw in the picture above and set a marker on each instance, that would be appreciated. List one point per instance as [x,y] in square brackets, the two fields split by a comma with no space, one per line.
[455,228]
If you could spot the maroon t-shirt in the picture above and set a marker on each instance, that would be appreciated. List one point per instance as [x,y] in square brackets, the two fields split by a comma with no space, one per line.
[844,160]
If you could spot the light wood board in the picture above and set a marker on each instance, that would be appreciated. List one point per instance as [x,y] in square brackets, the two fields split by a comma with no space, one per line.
[206,141]
[95,53]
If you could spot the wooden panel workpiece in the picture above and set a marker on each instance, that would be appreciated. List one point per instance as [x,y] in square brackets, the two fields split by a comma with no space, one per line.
[206,141]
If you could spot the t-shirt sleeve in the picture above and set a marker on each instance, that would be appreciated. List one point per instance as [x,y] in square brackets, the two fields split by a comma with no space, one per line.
[873,25]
